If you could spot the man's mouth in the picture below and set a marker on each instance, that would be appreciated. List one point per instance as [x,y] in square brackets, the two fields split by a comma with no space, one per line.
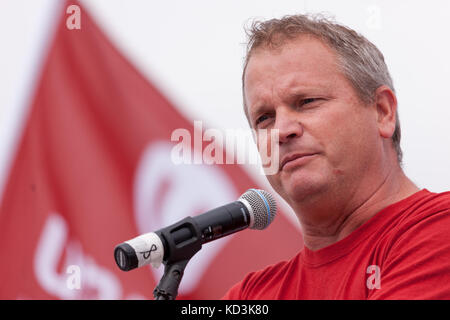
[294,159]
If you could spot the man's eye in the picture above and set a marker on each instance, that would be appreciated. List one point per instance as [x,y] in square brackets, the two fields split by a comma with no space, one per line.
[309,100]
[261,119]
[305,101]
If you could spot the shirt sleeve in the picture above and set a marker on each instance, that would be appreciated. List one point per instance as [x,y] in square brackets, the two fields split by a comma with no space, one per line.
[240,290]
[235,293]
[417,265]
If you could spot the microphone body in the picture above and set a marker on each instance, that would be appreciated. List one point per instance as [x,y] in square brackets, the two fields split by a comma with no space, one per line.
[220,222]
[255,209]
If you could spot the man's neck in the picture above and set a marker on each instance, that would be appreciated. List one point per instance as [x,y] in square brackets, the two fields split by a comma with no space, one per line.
[395,187]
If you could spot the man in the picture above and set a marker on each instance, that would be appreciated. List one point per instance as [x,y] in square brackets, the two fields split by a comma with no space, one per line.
[369,232]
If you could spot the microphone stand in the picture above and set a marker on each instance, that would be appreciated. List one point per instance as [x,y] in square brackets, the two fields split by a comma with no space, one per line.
[167,289]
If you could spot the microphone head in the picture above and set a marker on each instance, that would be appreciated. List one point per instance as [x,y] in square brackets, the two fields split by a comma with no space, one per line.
[263,208]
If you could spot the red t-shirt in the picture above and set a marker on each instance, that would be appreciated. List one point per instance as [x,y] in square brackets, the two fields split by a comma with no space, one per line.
[403,252]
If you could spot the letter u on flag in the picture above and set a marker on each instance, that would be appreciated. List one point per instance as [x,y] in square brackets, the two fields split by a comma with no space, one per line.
[93,168]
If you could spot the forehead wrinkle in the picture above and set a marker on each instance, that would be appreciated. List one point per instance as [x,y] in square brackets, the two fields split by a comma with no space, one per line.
[293,78]
[281,94]
[295,88]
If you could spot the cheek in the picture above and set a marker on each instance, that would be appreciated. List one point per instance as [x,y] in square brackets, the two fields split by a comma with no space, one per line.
[348,140]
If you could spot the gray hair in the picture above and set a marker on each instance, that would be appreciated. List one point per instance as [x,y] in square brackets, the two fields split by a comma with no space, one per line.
[360,60]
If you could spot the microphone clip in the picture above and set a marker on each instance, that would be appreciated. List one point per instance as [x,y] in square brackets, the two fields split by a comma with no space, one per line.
[167,289]
[177,255]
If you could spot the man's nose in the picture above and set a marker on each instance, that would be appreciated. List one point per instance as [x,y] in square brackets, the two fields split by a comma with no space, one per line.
[288,124]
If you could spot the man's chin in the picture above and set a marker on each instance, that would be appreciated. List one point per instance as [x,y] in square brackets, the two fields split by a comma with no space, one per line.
[304,193]
[298,185]
[303,189]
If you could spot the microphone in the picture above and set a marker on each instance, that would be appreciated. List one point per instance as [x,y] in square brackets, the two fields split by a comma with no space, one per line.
[255,209]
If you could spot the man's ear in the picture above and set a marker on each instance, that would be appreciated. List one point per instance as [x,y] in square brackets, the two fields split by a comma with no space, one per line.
[386,108]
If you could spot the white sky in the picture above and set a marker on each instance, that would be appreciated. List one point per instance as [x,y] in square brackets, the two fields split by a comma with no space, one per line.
[192,50]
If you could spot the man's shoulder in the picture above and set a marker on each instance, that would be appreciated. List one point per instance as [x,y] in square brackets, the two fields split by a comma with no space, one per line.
[416,259]
[439,199]
[428,204]
[276,270]
[419,206]
[423,222]
[261,283]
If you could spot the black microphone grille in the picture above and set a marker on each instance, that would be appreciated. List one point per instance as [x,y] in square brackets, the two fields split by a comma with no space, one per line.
[263,205]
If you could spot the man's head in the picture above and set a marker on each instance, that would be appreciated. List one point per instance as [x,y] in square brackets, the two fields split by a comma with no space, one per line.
[327,89]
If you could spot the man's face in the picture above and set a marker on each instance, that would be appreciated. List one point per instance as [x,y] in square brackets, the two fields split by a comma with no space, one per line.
[328,137]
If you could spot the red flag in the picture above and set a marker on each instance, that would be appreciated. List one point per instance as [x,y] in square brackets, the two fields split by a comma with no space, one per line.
[94,169]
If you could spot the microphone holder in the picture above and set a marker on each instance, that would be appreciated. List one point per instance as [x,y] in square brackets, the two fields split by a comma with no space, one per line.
[178,256]
[167,289]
